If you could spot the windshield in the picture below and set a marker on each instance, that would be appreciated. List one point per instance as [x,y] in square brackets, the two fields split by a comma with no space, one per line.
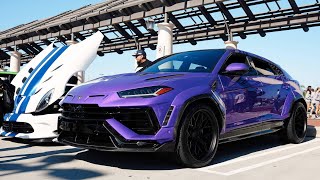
[192,61]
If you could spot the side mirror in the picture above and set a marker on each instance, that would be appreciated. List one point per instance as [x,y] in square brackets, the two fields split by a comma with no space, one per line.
[236,69]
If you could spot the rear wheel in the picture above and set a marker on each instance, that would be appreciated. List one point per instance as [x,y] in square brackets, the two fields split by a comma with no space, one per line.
[198,137]
[296,128]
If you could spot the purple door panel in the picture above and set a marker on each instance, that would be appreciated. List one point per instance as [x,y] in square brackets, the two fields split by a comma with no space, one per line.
[241,96]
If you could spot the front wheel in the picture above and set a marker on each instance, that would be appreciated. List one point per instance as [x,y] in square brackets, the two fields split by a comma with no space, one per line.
[198,138]
[296,128]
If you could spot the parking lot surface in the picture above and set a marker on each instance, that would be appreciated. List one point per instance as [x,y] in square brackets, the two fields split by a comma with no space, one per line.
[258,158]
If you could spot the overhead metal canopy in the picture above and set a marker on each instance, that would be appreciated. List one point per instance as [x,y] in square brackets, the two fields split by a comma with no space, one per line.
[194,20]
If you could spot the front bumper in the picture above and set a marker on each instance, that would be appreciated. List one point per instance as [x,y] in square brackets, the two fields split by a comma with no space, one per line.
[113,129]
[28,126]
[105,138]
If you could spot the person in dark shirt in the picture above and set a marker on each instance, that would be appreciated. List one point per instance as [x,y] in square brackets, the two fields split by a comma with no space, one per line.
[6,98]
[142,61]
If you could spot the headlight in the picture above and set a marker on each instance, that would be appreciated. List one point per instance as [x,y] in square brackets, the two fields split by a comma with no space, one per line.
[44,101]
[145,92]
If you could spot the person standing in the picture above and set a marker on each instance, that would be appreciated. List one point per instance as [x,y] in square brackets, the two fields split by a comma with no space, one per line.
[308,97]
[141,59]
[311,102]
[1,103]
[316,101]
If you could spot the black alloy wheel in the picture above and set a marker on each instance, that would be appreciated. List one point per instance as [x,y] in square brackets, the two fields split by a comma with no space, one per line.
[200,135]
[198,138]
[295,129]
[300,124]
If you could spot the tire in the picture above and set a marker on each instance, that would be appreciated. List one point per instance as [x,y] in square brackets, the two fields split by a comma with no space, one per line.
[198,137]
[296,126]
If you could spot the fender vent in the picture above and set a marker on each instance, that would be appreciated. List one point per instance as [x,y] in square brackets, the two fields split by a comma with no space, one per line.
[48,79]
[164,77]
[18,90]
[97,96]
[57,68]
[166,119]
[38,91]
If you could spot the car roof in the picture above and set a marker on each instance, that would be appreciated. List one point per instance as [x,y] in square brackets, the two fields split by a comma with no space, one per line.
[235,50]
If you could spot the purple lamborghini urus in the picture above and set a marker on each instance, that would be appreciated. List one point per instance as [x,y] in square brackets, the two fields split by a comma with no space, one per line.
[186,103]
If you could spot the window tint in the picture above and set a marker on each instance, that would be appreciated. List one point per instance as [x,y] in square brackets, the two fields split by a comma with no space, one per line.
[171,64]
[192,61]
[197,67]
[262,67]
[239,58]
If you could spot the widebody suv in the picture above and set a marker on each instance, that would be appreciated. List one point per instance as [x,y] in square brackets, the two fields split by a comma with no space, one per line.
[186,103]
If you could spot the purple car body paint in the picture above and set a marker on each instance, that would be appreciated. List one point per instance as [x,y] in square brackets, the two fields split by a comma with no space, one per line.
[146,111]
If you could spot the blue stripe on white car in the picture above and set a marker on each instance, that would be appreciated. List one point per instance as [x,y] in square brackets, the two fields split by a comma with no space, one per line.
[30,85]
[33,73]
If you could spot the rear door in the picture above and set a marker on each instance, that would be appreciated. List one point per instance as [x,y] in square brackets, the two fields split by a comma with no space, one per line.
[273,87]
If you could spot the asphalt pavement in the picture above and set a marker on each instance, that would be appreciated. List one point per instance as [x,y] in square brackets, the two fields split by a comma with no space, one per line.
[261,158]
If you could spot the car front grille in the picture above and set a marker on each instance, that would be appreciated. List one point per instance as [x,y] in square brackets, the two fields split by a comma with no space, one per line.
[90,133]
[17,127]
[141,120]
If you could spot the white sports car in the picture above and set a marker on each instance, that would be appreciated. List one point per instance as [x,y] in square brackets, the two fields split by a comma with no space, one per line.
[42,83]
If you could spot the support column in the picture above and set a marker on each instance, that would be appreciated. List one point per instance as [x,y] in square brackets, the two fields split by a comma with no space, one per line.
[80,75]
[15,61]
[231,44]
[165,36]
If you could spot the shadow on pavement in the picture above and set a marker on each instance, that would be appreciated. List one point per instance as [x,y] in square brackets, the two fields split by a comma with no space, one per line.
[129,160]
[16,164]
[237,149]
[162,161]
[45,142]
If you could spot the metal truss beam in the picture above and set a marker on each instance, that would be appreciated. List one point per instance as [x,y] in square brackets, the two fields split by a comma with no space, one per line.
[120,20]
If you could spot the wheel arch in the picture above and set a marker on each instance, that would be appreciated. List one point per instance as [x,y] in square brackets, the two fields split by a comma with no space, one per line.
[301,100]
[291,100]
[217,108]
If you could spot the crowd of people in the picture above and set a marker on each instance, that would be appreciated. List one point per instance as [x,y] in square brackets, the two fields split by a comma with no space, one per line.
[312,97]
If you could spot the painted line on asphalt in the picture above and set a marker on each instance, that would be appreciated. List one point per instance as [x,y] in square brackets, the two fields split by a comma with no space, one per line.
[207,169]
[270,161]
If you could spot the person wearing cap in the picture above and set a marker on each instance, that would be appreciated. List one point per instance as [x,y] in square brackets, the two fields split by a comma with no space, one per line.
[142,61]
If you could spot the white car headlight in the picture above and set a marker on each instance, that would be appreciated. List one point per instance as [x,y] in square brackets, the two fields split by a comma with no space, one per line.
[44,102]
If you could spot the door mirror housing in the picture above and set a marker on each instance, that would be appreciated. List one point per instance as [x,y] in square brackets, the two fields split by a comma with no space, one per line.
[236,69]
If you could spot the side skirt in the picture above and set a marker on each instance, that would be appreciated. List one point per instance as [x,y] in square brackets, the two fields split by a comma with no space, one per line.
[251,131]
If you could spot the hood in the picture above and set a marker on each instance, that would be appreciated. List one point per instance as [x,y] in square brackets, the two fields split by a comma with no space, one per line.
[44,79]
[121,82]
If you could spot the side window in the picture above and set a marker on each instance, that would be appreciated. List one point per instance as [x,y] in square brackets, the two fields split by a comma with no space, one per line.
[262,67]
[240,58]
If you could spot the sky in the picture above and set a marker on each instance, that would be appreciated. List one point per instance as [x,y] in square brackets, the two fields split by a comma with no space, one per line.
[295,51]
